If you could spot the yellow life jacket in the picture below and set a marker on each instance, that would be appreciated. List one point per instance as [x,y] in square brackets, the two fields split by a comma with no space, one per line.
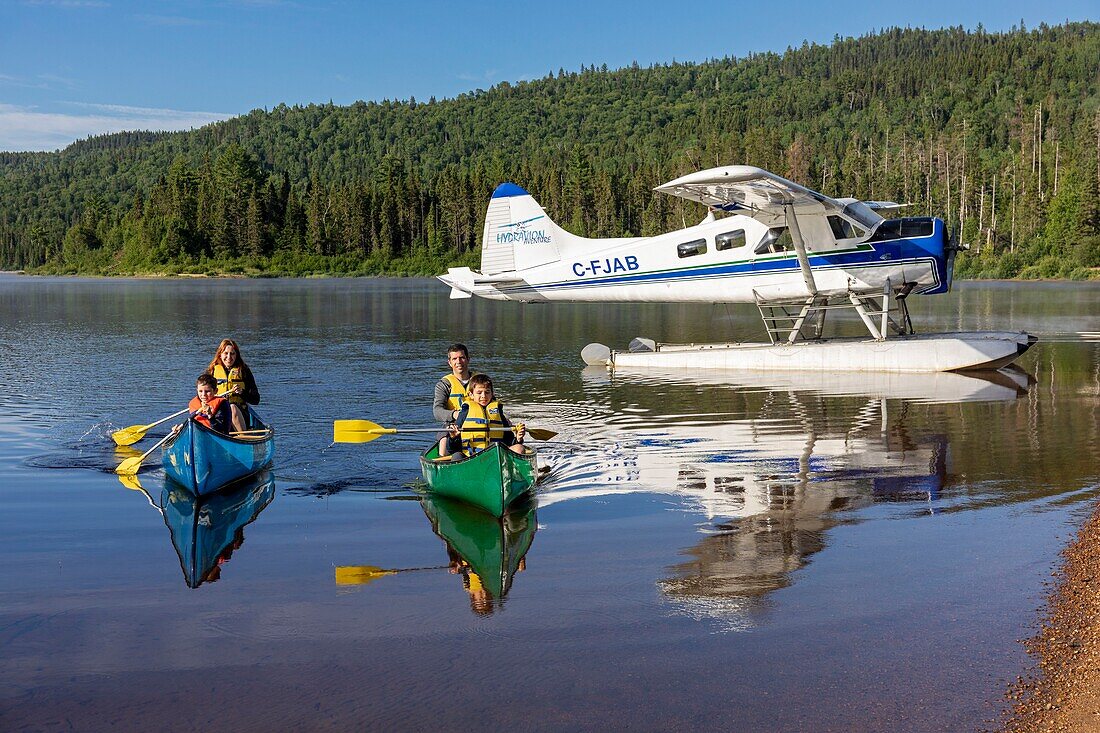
[481,425]
[229,382]
[458,391]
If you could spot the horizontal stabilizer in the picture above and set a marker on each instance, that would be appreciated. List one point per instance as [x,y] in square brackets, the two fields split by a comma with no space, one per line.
[496,279]
[463,281]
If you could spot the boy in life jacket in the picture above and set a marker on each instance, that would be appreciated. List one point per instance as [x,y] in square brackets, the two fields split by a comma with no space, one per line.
[209,409]
[481,422]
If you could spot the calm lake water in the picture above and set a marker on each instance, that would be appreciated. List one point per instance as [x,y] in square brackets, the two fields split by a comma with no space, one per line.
[719,551]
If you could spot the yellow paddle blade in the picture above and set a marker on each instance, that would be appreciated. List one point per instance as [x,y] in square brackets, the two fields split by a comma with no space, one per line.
[359,574]
[130,435]
[130,481]
[122,452]
[358,431]
[130,466]
[365,426]
[541,434]
[354,436]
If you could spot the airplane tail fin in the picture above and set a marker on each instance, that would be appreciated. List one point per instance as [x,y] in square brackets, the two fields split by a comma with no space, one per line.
[518,233]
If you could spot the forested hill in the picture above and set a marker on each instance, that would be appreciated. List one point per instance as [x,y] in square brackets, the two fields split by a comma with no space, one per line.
[999,133]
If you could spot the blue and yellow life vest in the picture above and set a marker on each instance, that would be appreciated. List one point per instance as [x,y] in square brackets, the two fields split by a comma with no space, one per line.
[457,397]
[229,382]
[481,425]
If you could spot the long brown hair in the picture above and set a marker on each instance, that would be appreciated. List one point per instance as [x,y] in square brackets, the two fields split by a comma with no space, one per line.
[218,356]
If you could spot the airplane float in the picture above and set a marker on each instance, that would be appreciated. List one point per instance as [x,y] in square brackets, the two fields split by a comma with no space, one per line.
[793,252]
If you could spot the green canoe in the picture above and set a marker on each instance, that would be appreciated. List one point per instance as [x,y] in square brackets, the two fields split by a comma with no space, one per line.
[491,479]
[489,550]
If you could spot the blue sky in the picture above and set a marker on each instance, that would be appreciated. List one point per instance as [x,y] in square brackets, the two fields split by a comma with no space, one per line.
[73,68]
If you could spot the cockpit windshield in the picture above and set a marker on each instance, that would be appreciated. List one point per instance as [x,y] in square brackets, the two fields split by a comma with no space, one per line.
[862,213]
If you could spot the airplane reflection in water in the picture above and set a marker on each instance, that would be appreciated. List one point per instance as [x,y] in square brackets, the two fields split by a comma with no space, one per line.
[801,433]
[207,530]
[484,550]
[770,485]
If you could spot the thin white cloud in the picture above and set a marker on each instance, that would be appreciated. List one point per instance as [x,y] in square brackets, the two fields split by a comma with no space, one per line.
[56,81]
[16,81]
[126,110]
[26,129]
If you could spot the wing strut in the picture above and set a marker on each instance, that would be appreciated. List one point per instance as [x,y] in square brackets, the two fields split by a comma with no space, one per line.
[800,249]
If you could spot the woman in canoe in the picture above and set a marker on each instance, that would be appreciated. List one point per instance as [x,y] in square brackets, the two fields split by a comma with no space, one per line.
[480,422]
[235,381]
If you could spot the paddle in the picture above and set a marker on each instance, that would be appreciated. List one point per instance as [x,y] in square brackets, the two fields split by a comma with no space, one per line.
[131,481]
[363,574]
[134,433]
[130,466]
[364,431]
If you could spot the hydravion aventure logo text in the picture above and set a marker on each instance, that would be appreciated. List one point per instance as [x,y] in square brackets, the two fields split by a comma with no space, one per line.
[521,233]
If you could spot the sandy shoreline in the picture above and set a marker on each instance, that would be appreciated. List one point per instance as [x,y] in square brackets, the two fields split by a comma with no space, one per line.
[1064,696]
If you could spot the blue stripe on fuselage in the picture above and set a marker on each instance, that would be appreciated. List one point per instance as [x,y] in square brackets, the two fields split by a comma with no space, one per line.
[890,252]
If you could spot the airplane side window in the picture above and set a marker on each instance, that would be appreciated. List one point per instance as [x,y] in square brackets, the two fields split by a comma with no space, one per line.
[775,240]
[889,229]
[730,240]
[844,229]
[692,248]
[899,228]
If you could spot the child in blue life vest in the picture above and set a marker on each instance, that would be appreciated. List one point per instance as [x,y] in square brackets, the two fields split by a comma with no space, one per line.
[481,422]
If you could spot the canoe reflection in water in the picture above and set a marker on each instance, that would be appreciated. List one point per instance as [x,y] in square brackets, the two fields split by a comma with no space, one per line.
[207,530]
[486,551]
[775,466]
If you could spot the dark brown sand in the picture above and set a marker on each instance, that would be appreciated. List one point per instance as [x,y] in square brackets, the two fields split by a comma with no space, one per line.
[1064,696]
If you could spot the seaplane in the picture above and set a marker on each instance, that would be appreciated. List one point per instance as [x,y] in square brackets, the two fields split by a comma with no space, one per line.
[793,252]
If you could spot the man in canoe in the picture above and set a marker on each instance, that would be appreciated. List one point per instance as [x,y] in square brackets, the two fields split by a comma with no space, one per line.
[481,422]
[450,391]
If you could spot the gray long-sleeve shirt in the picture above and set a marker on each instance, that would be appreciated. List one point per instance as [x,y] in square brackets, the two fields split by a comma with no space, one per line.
[440,408]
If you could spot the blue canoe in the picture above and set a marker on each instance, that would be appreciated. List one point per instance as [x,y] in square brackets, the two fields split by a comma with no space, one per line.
[203,460]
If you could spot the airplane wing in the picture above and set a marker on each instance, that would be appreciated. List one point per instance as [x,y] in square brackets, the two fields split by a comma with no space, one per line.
[761,194]
[885,205]
[740,187]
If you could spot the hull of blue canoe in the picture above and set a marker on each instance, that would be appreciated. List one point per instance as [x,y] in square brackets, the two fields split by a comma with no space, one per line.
[203,460]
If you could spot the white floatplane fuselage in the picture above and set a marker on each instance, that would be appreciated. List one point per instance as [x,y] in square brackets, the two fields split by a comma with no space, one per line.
[793,252]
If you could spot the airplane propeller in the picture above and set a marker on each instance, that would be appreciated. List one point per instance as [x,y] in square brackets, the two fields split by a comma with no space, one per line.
[951,248]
